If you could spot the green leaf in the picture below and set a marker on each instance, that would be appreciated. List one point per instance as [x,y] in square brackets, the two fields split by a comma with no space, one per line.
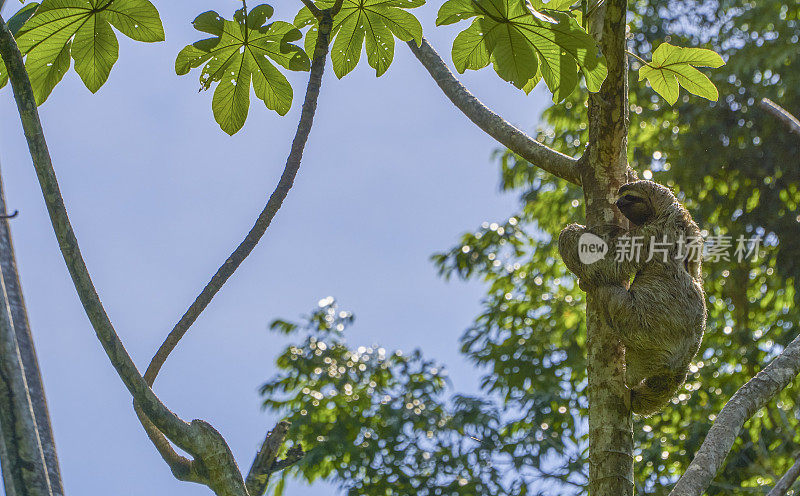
[524,44]
[81,29]
[242,53]
[562,5]
[673,67]
[21,17]
[469,50]
[360,23]
[95,50]
[136,19]
[232,97]
[453,11]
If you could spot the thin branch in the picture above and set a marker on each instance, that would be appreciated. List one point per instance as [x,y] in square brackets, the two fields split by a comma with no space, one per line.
[263,221]
[783,115]
[315,11]
[744,404]
[492,124]
[643,61]
[183,468]
[27,350]
[785,482]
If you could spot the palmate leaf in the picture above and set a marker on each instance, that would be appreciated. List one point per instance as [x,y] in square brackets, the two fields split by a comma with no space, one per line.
[371,23]
[673,67]
[525,45]
[52,33]
[240,53]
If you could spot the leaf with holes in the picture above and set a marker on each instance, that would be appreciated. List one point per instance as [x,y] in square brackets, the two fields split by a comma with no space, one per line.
[242,52]
[525,45]
[673,67]
[82,30]
[371,23]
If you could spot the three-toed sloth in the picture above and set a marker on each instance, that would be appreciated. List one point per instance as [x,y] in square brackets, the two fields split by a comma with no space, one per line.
[661,317]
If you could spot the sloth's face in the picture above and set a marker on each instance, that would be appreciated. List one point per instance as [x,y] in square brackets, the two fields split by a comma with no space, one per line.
[634,205]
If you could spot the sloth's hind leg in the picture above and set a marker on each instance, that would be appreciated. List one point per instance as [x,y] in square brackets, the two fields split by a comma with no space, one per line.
[621,313]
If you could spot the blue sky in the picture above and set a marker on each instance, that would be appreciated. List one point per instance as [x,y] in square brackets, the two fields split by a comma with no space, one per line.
[159,196]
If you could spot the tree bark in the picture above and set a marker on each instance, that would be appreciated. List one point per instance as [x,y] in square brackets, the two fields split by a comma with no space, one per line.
[604,170]
[24,466]
[27,350]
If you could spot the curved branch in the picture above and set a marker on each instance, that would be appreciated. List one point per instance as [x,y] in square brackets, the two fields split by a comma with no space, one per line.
[181,467]
[744,404]
[173,426]
[783,115]
[262,222]
[785,482]
[492,124]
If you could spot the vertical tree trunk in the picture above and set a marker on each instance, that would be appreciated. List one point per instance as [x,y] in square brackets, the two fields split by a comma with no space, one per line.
[24,465]
[604,170]
[21,357]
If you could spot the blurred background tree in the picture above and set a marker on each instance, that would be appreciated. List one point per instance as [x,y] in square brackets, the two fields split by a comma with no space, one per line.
[384,423]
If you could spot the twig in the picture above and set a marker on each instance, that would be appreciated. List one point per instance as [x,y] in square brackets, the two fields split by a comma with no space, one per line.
[492,124]
[783,115]
[643,61]
[744,404]
[785,482]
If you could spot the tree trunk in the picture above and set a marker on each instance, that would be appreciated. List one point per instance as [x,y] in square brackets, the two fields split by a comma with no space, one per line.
[20,355]
[604,170]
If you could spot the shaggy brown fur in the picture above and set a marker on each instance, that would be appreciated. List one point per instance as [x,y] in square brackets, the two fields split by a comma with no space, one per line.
[662,317]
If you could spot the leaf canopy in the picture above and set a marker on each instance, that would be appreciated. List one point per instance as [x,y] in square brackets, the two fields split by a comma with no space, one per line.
[52,33]
[525,45]
[673,67]
[242,52]
[371,23]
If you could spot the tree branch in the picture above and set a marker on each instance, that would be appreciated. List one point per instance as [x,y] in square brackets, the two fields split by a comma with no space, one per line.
[492,124]
[785,482]
[264,218]
[781,114]
[744,404]
[266,463]
[315,11]
[183,468]
[199,438]
[29,115]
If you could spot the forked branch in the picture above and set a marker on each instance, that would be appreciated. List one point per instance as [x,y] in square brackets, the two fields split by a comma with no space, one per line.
[540,155]
[744,404]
